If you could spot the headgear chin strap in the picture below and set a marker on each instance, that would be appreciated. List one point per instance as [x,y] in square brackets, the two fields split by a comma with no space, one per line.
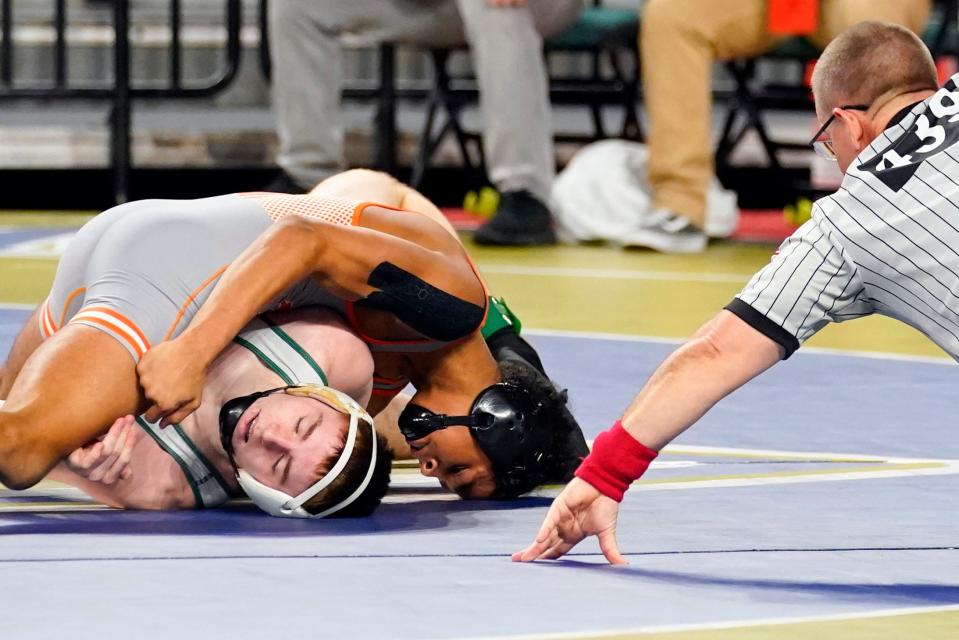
[276,502]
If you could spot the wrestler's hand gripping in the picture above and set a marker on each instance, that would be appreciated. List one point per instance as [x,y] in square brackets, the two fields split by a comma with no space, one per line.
[108,459]
[172,379]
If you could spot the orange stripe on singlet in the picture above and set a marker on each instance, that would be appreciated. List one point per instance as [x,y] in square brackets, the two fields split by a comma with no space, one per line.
[66,304]
[114,331]
[192,297]
[122,319]
[50,323]
[46,323]
[361,207]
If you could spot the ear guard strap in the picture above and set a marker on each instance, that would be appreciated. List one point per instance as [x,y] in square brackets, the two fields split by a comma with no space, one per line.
[359,490]
[415,427]
[332,474]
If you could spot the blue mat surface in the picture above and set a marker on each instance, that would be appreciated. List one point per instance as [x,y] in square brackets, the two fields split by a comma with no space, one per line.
[793,540]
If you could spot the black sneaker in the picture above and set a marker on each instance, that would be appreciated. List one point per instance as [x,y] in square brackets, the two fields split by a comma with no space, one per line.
[521,220]
[284,183]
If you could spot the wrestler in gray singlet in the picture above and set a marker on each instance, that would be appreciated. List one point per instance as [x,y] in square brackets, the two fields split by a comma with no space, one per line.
[141,271]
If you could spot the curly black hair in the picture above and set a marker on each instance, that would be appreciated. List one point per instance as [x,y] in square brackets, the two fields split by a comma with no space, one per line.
[553,430]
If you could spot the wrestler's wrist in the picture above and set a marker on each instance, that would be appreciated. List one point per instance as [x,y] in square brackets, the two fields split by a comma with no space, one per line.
[617,459]
[201,349]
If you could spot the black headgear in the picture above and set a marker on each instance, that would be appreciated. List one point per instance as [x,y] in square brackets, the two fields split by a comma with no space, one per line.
[527,442]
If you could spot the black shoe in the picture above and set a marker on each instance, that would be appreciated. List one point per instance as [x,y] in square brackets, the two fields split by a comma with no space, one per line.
[521,220]
[284,183]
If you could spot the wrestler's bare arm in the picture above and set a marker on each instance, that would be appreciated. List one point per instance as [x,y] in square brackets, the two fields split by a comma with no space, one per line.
[127,473]
[722,356]
[376,186]
[168,493]
[340,258]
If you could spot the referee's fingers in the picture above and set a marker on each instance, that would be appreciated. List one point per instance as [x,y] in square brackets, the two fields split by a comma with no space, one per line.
[532,552]
[607,544]
[546,537]
[558,550]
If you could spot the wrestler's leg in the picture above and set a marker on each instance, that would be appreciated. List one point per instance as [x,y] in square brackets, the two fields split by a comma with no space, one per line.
[362,184]
[25,344]
[413,200]
[69,392]
[382,188]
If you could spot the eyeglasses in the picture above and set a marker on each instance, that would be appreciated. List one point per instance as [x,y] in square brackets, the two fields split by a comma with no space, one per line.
[823,148]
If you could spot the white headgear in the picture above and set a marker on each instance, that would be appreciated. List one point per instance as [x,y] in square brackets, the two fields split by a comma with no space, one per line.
[280,504]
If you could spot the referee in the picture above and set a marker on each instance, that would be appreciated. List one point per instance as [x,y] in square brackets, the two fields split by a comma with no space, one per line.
[887,242]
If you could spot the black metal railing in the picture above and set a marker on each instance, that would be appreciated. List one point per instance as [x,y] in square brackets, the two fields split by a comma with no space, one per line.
[120,91]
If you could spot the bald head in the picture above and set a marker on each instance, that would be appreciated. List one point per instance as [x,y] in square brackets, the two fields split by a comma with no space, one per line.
[870,61]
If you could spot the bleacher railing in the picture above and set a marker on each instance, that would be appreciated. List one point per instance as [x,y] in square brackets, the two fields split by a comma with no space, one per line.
[120,90]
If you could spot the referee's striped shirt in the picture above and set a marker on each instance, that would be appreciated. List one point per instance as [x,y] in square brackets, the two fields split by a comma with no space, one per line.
[887,242]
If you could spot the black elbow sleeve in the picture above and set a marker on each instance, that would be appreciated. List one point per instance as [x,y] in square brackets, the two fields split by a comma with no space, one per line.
[421,306]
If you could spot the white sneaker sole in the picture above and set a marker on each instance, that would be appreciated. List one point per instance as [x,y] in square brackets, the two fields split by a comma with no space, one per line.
[685,242]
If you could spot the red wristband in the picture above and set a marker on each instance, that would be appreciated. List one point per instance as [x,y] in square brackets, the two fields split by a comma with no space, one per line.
[616,460]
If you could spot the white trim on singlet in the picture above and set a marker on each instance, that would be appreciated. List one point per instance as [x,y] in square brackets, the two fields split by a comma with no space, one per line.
[280,353]
[209,488]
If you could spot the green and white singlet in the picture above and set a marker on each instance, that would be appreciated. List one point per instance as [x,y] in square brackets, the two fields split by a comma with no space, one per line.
[277,351]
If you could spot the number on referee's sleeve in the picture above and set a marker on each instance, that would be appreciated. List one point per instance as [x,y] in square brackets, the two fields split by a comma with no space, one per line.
[934,130]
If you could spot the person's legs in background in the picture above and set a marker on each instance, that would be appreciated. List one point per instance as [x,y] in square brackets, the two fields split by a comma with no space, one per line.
[506,44]
[307,58]
[838,15]
[679,42]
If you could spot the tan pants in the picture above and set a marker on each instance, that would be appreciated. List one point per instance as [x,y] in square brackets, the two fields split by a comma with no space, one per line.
[679,42]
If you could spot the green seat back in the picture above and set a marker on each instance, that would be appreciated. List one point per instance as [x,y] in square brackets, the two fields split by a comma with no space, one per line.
[599,27]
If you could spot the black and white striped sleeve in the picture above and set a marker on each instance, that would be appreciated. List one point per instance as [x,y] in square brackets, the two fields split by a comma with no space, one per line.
[808,283]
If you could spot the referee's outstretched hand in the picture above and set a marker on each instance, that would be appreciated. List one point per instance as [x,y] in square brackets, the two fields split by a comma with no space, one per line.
[577,512]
